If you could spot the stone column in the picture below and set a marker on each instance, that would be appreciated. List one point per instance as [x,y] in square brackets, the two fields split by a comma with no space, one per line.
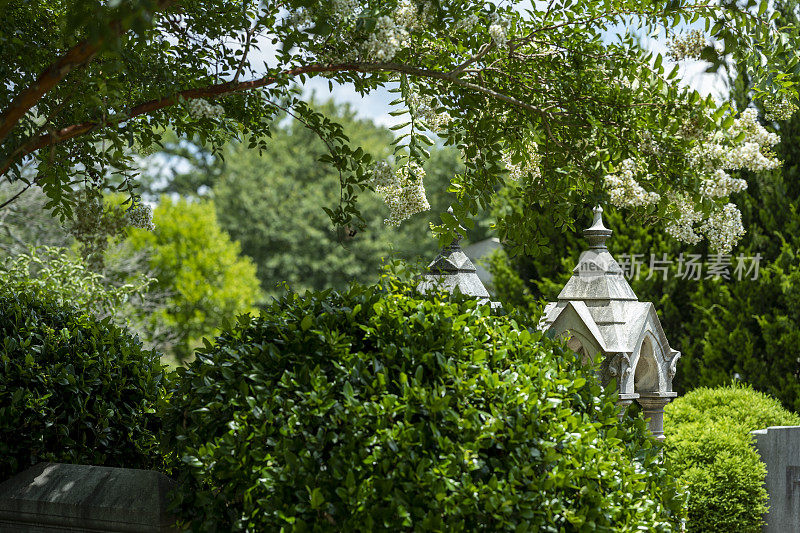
[624,401]
[653,404]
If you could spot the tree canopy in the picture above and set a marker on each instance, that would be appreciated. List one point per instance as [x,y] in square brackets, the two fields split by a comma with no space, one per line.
[560,99]
[253,193]
[199,269]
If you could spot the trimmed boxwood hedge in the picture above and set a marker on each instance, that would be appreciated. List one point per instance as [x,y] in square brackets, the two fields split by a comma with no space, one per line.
[709,443]
[381,409]
[73,388]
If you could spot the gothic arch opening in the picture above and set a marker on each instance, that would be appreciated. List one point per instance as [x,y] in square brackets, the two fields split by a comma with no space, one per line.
[645,379]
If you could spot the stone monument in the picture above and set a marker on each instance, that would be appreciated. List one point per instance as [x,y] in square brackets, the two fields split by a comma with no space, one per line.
[779,448]
[452,270]
[598,312]
[66,498]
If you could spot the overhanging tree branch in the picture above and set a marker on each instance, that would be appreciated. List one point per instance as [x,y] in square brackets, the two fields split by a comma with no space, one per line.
[79,55]
[76,130]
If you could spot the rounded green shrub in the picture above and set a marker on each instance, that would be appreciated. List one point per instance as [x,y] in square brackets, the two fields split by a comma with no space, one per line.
[73,388]
[709,442]
[380,409]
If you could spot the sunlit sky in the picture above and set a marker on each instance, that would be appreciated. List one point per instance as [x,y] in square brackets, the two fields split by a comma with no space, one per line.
[375,106]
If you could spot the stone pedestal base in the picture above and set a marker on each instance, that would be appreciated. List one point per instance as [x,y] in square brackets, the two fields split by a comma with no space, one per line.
[653,410]
[65,498]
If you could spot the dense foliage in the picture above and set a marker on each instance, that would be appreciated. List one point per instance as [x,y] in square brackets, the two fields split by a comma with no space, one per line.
[278,191]
[73,388]
[559,96]
[729,327]
[709,442]
[199,268]
[55,273]
[738,327]
[376,409]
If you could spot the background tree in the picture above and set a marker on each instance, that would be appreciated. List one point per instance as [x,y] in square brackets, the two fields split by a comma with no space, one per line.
[270,203]
[542,95]
[199,268]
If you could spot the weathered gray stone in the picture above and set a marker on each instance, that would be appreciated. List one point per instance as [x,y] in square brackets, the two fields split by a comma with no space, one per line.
[779,447]
[452,270]
[598,312]
[50,497]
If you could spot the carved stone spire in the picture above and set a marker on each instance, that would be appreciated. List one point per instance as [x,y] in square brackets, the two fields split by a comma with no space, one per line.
[597,233]
[452,268]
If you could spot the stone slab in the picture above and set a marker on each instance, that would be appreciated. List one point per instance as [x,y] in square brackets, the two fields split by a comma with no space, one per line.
[55,497]
[779,447]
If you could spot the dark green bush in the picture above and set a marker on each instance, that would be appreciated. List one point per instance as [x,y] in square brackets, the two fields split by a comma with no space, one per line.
[709,442]
[384,410]
[73,388]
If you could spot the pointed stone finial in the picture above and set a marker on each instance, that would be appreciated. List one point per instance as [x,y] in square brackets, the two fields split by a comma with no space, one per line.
[597,233]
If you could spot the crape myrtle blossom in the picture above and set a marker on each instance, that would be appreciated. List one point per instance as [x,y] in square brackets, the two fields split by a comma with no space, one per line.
[403,191]
[779,108]
[468,23]
[423,107]
[623,188]
[745,144]
[721,184]
[200,108]
[393,33]
[686,46]
[382,175]
[722,151]
[498,29]
[346,10]
[530,165]
[387,40]
[682,225]
[412,18]
[723,228]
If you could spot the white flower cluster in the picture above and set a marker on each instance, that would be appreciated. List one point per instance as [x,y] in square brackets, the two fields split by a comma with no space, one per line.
[529,167]
[624,190]
[688,46]
[140,215]
[404,193]
[682,227]
[721,152]
[345,10]
[712,159]
[648,145]
[382,175]
[721,184]
[424,108]
[723,228]
[468,24]
[498,30]
[779,108]
[387,39]
[406,14]
[200,108]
